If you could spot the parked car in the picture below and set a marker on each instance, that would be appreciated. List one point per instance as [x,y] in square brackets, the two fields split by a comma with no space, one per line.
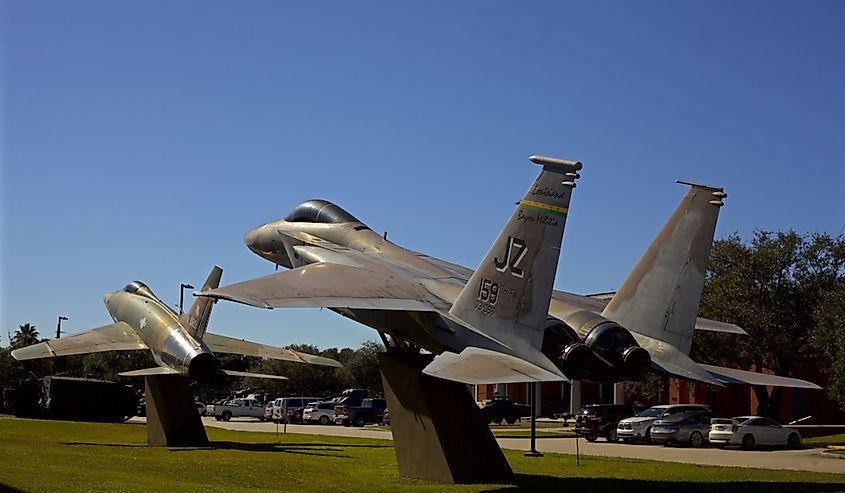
[319,412]
[294,407]
[370,411]
[502,409]
[350,397]
[692,428]
[236,408]
[201,408]
[750,432]
[268,411]
[386,419]
[600,420]
[639,427]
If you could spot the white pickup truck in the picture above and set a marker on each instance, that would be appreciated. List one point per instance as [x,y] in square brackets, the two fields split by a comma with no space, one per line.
[236,408]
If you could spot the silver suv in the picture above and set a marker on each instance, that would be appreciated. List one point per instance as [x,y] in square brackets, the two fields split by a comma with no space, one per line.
[639,427]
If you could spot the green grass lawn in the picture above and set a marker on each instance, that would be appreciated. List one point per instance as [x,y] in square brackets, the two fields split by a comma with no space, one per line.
[63,456]
[825,441]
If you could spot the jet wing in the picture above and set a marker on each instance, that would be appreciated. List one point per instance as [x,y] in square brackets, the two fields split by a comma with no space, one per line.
[222,344]
[331,285]
[113,337]
[564,302]
[731,375]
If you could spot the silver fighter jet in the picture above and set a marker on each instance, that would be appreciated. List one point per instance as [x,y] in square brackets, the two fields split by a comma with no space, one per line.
[179,344]
[503,322]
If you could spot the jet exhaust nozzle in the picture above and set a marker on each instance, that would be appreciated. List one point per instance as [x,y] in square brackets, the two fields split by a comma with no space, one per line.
[203,367]
[597,349]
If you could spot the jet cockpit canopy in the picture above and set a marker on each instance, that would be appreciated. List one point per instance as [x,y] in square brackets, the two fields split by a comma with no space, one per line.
[137,287]
[320,211]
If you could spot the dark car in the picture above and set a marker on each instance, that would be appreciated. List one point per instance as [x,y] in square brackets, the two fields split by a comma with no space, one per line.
[501,409]
[689,428]
[370,411]
[600,420]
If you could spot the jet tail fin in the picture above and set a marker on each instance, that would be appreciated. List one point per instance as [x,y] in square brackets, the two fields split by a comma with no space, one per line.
[196,318]
[508,296]
[660,296]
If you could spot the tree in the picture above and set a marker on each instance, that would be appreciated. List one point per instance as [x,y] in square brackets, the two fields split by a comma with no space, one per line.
[830,339]
[361,370]
[774,287]
[26,335]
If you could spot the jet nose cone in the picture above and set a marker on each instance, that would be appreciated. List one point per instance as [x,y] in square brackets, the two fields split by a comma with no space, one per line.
[106,298]
[251,239]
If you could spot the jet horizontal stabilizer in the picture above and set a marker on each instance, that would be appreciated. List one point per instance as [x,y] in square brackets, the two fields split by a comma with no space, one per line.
[481,366]
[731,375]
[233,373]
[150,372]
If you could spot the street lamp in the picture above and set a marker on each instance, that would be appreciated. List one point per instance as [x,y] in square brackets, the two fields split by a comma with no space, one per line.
[182,288]
[59,326]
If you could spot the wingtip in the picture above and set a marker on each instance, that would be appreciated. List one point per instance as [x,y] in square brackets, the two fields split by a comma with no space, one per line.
[567,164]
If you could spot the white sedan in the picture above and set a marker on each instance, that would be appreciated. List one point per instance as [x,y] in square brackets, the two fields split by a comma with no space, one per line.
[752,431]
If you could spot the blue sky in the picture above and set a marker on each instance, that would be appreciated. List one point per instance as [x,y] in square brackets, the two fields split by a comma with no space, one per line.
[142,140]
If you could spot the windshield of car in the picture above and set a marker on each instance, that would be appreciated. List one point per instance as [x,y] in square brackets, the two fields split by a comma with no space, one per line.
[675,417]
[653,412]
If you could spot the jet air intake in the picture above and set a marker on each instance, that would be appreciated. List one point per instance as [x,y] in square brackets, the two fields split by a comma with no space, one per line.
[608,353]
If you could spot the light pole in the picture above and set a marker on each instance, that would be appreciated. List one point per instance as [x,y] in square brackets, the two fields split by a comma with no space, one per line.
[59,326]
[182,288]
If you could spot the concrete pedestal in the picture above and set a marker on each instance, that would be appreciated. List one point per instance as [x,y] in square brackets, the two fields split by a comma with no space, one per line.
[438,432]
[172,417]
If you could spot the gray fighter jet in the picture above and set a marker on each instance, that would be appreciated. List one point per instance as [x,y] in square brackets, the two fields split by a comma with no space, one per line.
[179,344]
[503,322]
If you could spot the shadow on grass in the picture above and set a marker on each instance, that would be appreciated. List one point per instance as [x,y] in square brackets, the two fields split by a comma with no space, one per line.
[533,483]
[324,449]
[92,444]
[321,449]
[4,488]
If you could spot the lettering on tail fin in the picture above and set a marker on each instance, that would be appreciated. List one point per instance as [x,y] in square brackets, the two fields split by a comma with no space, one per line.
[514,253]
[508,295]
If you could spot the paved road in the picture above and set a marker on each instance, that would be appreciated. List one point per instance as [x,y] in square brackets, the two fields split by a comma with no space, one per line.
[800,460]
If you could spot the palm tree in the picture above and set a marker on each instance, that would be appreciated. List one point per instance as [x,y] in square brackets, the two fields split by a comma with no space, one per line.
[26,334]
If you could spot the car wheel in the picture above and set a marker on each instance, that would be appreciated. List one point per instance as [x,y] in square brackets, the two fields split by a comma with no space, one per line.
[227,416]
[346,422]
[748,442]
[360,421]
[324,420]
[590,438]
[510,421]
[794,441]
[488,420]
[612,436]
[696,439]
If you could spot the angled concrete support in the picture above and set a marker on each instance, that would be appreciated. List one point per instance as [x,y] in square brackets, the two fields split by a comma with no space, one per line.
[438,432]
[172,417]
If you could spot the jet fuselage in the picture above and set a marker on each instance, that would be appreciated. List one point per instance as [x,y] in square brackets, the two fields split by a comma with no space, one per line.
[159,327]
